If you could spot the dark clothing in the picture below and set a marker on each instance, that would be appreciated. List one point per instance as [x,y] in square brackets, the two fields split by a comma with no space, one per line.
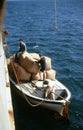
[16,57]
[42,62]
[21,50]
[22,47]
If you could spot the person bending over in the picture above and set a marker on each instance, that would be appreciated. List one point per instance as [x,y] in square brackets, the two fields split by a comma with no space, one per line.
[42,62]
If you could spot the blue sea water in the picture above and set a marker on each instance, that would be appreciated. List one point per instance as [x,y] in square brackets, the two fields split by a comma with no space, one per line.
[35,21]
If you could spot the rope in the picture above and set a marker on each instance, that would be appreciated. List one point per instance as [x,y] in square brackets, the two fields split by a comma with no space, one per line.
[34,105]
[28,101]
[55,15]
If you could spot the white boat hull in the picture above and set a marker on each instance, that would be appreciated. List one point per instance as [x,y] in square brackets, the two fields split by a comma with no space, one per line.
[59,106]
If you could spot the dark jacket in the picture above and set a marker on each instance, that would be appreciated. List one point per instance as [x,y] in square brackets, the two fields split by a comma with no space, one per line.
[22,47]
[42,62]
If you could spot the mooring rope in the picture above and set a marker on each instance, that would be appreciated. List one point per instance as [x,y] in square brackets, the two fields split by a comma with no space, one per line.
[55,15]
[28,101]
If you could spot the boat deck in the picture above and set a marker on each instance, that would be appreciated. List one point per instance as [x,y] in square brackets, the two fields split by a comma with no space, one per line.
[39,91]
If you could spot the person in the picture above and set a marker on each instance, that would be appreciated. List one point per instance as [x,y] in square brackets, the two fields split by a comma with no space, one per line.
[4,34]
[22,45]
[42,62]
[5,46]
[21,49]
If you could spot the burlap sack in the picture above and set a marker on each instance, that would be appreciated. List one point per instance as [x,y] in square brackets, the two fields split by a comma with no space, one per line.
[48,63]
[35,56]
[28,63]
[10,68]
[51,74]
[37,76]
[17,72]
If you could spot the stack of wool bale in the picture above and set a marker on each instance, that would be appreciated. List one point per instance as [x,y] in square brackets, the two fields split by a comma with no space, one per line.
[17,72]
[27,69]
[50,73]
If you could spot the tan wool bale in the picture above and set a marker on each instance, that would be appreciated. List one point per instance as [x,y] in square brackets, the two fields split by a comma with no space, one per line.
[50,74]
[10,68]
[17,72]
[28,63]
[34,68]
[48,63]
[26,56]
[37,76]
[35,56]
[21,73]
[10,64]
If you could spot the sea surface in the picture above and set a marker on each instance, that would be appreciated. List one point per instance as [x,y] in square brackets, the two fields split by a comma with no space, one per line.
[56,30]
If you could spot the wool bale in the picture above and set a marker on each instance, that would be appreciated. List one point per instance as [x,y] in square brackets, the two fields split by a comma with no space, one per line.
[37,76]
[51,74]
[18,72]
[10,68]
[28,63]
[35,56]
[22,74]
[48,63]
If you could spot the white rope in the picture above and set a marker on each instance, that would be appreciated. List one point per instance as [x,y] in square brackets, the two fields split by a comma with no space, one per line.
[55,15]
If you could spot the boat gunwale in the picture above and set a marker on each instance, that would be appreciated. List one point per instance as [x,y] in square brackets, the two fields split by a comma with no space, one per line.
[44,99]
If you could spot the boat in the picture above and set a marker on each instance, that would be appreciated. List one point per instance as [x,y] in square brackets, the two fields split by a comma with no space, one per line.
[49,93]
